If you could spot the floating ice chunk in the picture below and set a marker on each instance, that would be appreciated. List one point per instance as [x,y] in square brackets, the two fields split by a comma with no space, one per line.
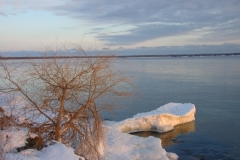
[160,120]
[178,109]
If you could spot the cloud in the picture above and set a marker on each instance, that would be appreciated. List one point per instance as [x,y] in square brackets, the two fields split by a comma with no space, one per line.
[187,49]
[2,14]
[225,31]
[141,11]
[10,7]
[156,18]
[149,19]
[146,32]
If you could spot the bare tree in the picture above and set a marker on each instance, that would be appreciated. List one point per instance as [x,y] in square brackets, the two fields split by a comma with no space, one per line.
[62,96]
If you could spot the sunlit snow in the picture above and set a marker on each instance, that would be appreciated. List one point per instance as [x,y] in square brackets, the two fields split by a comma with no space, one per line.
[120,145]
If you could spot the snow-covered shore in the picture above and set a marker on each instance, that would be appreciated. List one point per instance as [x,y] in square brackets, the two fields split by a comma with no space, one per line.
[119,145]
[129,147]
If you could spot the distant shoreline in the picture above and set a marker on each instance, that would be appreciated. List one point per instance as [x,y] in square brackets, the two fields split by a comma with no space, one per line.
[122,56]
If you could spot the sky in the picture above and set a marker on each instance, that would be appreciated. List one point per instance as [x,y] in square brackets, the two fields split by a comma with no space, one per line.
[124,27]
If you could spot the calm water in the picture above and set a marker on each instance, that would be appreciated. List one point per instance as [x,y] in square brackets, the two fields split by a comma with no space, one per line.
[211,83]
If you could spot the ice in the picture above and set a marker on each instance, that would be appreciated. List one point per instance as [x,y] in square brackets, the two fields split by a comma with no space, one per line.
[129,147]
[160,120]
[120,145]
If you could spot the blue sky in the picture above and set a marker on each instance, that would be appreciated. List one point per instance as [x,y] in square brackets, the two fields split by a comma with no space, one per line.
[153,26]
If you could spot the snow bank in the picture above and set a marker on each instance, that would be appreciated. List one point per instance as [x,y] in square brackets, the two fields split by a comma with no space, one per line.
[12,138]
[123,146]
[160,120]
[119,145]
[57,151]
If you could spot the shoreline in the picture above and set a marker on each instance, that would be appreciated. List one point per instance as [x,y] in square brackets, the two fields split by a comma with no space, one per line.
[121,56]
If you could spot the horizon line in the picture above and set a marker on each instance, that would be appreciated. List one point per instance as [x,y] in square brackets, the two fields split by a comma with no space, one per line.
[122,56]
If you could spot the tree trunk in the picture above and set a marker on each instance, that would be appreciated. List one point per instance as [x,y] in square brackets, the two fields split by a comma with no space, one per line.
[60,113]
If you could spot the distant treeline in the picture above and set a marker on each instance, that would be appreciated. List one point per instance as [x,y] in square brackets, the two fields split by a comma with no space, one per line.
[180,55]
[123,56]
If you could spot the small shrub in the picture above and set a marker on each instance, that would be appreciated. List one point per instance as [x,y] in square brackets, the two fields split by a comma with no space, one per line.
[64,97]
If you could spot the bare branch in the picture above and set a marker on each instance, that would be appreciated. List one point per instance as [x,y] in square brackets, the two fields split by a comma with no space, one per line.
[64,92]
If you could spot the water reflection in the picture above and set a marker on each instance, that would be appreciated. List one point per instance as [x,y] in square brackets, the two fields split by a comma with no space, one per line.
[170,137]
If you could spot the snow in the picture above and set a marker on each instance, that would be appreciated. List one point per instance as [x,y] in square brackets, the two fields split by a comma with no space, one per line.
[160,120]
[11,139]
[123,146]
[56,151]
[120,145]
[11,106]
[16,106]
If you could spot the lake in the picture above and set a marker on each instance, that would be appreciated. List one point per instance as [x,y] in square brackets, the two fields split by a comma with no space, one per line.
[211,83]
